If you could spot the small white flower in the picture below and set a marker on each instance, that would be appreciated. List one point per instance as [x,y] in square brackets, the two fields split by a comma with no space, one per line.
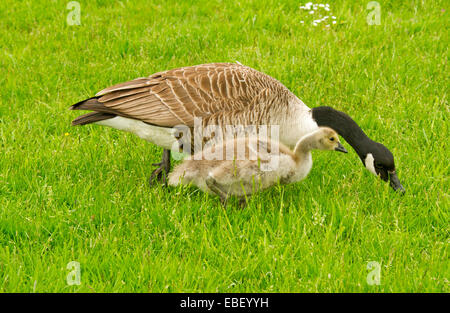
[314,24]
[333,17]
[311,12]
[334,22]
[301,22]
[327,9]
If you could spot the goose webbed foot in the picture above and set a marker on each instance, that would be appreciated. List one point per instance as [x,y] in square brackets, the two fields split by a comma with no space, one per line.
[161,173]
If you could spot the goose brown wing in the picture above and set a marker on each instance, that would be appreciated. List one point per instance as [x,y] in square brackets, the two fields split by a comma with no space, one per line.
[177,96]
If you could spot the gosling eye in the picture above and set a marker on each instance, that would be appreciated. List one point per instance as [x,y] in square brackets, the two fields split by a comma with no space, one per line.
[332,139]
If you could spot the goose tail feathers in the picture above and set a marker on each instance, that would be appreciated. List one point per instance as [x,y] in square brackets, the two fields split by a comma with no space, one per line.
[92,117]
[100,113]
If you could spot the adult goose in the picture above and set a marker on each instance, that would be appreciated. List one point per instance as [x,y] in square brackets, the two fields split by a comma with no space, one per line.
[260,164]
[222,94]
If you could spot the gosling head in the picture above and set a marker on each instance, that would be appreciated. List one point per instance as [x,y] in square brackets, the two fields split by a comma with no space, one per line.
[380,162]
[327,139]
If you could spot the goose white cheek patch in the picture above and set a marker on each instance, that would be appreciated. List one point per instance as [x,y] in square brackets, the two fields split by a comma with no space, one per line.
[369,164]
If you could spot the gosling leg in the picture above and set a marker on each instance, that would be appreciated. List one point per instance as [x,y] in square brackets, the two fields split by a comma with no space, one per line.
[242,203]
[215,187]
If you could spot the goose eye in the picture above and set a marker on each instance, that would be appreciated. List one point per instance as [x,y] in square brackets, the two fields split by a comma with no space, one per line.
[332,139]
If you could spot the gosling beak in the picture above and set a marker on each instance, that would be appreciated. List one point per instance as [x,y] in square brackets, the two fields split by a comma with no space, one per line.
[395,182]
[340,148]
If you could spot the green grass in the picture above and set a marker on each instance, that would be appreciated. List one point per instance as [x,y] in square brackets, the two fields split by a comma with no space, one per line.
[81,194]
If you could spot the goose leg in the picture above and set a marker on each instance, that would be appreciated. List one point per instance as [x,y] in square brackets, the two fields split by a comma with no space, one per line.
[216,188]
[162,170]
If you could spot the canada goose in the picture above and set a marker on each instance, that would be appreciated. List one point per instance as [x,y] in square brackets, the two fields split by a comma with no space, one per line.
[243,176]
[222,94]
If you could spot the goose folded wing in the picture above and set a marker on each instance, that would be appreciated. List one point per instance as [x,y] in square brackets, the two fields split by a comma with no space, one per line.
[177,96]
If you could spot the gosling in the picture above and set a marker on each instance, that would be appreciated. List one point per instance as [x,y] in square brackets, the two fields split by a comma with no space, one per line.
[259,164]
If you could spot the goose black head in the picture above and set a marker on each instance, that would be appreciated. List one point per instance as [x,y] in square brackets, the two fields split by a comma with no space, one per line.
[375,156]
[380,162]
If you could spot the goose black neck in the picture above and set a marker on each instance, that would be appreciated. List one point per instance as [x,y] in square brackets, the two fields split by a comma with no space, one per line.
[345,126]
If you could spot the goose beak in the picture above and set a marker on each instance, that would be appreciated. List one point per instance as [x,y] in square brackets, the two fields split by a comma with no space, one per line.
[395,182]
[340,148]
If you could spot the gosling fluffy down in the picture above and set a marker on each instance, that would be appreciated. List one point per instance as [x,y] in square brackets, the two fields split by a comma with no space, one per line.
[243,166]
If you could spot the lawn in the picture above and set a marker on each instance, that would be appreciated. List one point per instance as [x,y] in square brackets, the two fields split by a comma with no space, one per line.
[81,193]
